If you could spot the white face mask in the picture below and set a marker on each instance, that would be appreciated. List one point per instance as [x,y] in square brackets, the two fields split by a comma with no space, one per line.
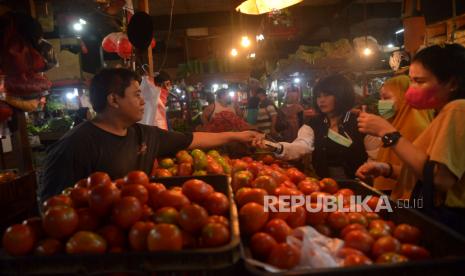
[386,108]
[340,139]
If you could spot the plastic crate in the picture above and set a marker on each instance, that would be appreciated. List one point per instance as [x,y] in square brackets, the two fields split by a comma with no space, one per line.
[190,260]
[447,247]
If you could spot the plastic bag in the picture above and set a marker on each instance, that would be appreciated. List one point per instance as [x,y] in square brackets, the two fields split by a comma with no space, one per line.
[151,94]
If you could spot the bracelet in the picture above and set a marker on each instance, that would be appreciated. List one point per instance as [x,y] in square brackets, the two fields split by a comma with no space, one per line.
[391,170]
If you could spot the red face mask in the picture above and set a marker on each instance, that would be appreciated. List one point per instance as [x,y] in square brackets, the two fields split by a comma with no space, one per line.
[423,98]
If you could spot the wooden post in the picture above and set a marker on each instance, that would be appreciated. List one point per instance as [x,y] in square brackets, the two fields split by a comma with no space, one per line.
[414,26]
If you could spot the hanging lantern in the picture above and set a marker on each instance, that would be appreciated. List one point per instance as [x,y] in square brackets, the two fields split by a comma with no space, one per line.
[264,6]
[110,42]
[153,43]
[124,47]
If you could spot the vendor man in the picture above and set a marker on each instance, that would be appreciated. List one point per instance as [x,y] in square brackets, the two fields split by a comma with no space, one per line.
[113,142]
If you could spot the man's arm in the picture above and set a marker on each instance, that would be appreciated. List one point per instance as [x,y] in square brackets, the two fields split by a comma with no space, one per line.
[210,140]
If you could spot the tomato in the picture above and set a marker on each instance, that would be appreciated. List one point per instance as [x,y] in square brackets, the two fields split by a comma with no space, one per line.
[297,218]
[378,232]
[316,217]
[247,195]
[265,182]
[391,258]
[379,223]
[137,177]
[113,235]
[345,192]
[153,190]
[166,215]
[278,176]
[80,197]
[170,198]
[252,218]
[185,169]
[164,237]
[188,240]
[284,190]
[35,223]
[147,213]
[329,185]
[384,245]
[215,234]
[308,186]
[81,183]
[136,190]
[18,240]
[241,179]
[192,218]
[351,227]
[138,235]
[407,233]
[414,252]
[290,185]
[87,220]
[98,178]
[268,159]
[184,157]
[58,200]
[318,197]
[103,197]
[48,247]
[86,242]
[371,216]
[346,251]
[216,204]
[247,159]
[120,183]
[284,215]
[218,219]
[278,229]
[239,165]
[196,190]
[295,175]
[324,230]
[356,260]
[357,218]
[60,221]
[254,167]
[373,203]
[359,239]
[337,220]
[261,245]
[161,173]
[126,212]
[284,256]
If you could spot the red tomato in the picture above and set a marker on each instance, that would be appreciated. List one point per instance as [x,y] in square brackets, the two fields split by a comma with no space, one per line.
[218,219]
[164,237]
[345,192]
[103,197]
[295,175]
[265,182]
[356,260]
[289,184]
[268,159]
[238,165]
[192,218]
[378,232]
[308,186]
[324,230]
[136,190]
[126,212]
[18,240]
[373,203]
[255,167]
[188,240]
[170,198]
[58,200]
[35,223]
[371,216]
[391,258]
[137,177]
[384,245]
[241,179]
[278,176]
[86,242]
[80,197]
[161,173]
[88,221]
[113,235]
[138,235]
[60,221]
[284,256]
[261,245]
[81,183]
[48,247]
[316,218]
[338,220]
[120,183]
[297,218]
[147,213]
[98,178]
[318,197]
[360,240]
[215,234]
[278,229]
[407,233]
[196,190]
[329,185]
[246,195]
[414,252]
[252,218]
[247,159]
[284,190]
[185,169]
[351,227]
[346,251]
[379,223]
[166,215]
[153,190]
[216,204]
[357,218]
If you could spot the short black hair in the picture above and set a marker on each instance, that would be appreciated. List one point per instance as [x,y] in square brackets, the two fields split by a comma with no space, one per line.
[161,78]
[114,80]
[338,86]
[447,63]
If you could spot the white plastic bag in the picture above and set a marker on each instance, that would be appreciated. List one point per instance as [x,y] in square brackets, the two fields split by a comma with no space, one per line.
[151,94]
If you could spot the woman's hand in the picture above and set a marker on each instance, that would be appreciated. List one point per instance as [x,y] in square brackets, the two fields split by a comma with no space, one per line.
[374,125]
[372,170]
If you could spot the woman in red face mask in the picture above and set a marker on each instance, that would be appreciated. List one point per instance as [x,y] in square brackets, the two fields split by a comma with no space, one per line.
[434,164]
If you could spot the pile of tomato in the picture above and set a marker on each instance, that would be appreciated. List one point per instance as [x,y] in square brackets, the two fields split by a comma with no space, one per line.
[367,237]
[99,215]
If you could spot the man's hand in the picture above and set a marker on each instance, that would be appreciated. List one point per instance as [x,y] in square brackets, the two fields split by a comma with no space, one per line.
[372,170]
[374,125]
[210,140]
[249,136]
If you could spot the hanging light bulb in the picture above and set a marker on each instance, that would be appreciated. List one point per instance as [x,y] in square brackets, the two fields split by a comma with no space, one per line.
[367,51]
[234,52]
[245,42]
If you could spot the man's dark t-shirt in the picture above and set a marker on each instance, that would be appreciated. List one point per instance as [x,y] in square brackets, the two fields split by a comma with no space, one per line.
[87,149]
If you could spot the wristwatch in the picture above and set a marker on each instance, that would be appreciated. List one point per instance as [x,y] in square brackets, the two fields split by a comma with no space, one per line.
[390,139]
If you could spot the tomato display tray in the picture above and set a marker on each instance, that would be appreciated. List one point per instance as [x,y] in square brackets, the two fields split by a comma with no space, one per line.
[447,247]
[192,260]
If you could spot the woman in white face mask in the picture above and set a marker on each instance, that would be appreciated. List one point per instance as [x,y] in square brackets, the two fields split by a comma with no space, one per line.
[409,121]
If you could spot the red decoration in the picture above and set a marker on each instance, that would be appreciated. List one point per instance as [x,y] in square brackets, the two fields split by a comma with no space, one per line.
[153,43]
[110,42]
[124,47]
